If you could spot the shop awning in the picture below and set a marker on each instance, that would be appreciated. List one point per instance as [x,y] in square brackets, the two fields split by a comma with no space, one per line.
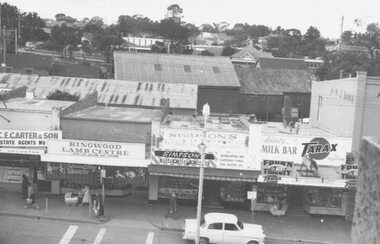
[304,181]
[209,173]
[19,160]
[95,160]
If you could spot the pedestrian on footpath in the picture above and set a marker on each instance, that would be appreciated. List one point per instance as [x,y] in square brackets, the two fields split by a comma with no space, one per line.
[86,196]
[31,200]
[173,203]
[24,187]
[98,207]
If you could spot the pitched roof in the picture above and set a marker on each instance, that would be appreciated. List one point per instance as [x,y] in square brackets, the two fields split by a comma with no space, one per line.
[274,81]
[281,63]
[251,51]
[185,69]
[109,91]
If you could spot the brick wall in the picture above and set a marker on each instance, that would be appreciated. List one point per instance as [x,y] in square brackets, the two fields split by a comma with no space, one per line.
[366,224]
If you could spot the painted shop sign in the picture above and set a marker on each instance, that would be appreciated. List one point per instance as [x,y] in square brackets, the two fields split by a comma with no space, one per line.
[349,171]
[325,151]
[216,141]
[97,149]
[187,155]
[274,167]
[21,138]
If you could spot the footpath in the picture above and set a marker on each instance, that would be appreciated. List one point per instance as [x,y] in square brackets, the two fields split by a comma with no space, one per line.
[135,211]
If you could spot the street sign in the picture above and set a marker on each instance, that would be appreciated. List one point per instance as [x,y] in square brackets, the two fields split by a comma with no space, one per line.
[184,155]
[251,195]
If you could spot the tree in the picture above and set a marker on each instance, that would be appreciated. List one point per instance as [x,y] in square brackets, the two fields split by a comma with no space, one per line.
[312,34]
[31,29]
[207,53]
[64,37]
[60,17]
[229,51]
[62,95]
[96,21]
[174,12]
[174,31]
[134,25]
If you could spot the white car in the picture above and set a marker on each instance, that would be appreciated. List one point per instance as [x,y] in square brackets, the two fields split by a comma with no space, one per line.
[222,228]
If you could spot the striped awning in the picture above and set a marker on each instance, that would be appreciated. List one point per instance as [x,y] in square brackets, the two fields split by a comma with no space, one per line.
[209,173]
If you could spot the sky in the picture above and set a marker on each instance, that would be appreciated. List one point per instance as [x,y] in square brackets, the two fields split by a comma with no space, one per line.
[325,15]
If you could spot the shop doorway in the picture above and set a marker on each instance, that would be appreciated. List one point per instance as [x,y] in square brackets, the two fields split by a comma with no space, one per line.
[211,192]
[296,198]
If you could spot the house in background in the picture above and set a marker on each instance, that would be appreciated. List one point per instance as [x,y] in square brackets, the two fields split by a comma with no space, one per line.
[211,39]
[141,44]
[249,56]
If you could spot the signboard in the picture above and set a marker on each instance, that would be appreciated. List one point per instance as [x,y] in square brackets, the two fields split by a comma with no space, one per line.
[22,151]
[324,150]
[187,155]
[215,141]
[251,195]
[98,149]
[349,171]
[229,148]
[23,138]
[302,181]
[277,167]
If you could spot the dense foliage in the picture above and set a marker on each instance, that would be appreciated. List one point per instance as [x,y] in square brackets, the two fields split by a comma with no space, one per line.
[66,36]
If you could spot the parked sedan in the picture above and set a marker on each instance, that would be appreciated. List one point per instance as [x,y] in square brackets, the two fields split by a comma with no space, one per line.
[221,228]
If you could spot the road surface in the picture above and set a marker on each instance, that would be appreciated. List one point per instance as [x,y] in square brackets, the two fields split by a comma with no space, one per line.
[15,230]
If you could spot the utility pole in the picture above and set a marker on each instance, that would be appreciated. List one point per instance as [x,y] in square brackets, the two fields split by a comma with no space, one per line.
[4,46]
[202,149]
[16,41]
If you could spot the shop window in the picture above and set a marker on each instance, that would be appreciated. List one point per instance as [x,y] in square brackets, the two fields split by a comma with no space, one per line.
[271,193]
[324,197]
[216,226]
[183,188]
[233,191]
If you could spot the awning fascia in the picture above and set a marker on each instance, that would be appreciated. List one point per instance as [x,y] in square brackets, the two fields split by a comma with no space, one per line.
[95,160]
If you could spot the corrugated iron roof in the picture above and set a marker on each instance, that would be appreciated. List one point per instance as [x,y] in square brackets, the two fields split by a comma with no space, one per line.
[109,91]
[252,51]
[281,63]
[274,81]
[116,113]
[170,69]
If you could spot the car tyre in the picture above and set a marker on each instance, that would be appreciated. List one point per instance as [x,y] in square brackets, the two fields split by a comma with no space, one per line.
[253,242]
[203,240]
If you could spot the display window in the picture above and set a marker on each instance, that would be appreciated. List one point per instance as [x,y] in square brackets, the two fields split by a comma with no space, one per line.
[233,191]
[182,187]
[323,197]
[77,175]
[271,193]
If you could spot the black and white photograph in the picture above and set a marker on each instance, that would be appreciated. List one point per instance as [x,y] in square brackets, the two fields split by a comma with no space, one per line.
[189,122]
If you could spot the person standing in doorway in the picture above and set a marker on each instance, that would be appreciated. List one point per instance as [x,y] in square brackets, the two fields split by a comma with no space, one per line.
[24,187]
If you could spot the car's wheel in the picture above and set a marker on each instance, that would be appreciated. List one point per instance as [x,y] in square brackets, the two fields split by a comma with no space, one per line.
[253,242]
[203,240]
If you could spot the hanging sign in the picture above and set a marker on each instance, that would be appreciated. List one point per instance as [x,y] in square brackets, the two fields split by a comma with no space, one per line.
[187,155]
